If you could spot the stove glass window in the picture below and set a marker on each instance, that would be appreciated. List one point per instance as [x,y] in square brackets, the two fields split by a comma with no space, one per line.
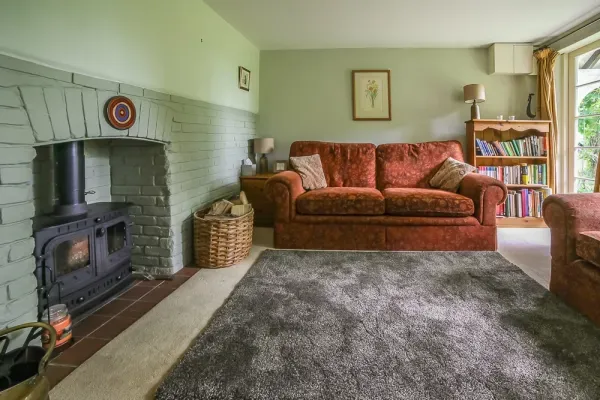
[116,237]
[72,255]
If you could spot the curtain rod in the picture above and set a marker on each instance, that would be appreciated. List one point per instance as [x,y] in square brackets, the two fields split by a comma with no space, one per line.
[569,32]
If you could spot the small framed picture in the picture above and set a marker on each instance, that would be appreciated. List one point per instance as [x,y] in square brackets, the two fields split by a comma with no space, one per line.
[371,95]
[244,79]
[280,165]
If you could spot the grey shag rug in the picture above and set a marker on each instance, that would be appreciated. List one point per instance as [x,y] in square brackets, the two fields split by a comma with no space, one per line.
[377,325]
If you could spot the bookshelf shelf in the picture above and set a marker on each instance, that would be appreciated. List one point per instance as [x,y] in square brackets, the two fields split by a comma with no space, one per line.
[515,157]
[525,222]
[530,186]
[504,131]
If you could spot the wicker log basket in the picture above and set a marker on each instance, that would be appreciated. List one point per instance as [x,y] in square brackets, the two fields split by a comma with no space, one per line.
[222,242]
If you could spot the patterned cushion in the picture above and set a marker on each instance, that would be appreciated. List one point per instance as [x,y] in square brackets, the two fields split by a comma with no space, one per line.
[450,175]
[404,165]
[427,203]
[587,246]
[341,201]
[310,170]
[344,164]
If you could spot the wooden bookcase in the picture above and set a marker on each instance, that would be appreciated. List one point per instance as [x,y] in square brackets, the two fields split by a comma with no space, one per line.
[491,130]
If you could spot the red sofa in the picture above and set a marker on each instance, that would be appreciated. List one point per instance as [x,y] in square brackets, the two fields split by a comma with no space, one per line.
[379,198]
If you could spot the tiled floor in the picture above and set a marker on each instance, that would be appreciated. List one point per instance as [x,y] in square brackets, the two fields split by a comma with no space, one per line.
[99,327]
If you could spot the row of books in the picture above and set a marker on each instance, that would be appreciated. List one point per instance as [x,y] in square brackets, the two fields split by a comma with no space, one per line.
[518,174]
[523,203]
[532,146]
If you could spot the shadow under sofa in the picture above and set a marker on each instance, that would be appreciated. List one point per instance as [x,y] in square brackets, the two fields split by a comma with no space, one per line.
[379,198]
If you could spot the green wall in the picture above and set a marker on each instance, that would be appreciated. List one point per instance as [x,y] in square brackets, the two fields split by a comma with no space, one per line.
[154,44]
[306,95]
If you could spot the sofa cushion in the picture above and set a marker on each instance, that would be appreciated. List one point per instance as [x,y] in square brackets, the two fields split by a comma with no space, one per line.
[310,170]
[344,164]
[341,201]
[587,246]
[450,174]
[404,165]
[426,203]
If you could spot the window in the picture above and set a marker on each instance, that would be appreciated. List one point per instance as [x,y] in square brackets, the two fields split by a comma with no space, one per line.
[584,105]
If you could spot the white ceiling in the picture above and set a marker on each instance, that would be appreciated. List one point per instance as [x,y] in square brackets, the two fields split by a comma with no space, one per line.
[320,24]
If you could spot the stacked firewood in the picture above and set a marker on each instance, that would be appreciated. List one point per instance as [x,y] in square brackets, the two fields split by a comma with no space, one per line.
[230,209]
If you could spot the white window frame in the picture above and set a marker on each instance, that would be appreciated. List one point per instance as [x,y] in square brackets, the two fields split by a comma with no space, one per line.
[572,107]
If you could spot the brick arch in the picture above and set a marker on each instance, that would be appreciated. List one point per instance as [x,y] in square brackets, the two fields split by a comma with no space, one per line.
[202,146]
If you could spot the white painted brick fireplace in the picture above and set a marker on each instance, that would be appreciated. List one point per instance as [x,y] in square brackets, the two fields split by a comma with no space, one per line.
[180,155]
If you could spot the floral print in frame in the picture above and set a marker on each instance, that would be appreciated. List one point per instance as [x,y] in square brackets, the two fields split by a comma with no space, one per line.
[371,95]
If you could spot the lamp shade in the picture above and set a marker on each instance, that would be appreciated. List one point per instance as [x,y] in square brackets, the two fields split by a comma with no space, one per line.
[264,145]
[474,93]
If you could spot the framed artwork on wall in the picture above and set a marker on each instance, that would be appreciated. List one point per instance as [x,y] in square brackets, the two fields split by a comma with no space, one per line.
[244,79]
[371,95]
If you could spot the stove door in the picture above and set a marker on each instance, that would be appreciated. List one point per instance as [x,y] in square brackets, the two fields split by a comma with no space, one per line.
[69,263]
[114,244]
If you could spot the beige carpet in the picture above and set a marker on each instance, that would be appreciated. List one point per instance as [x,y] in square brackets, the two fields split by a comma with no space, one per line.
[132,365]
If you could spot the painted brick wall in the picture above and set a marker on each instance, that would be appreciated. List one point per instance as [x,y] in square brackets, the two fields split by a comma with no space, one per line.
[139,171]
[44,184]
[97,170]
[187,152]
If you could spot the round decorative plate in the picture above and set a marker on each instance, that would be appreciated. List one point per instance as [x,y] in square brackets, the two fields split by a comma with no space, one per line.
[120,112]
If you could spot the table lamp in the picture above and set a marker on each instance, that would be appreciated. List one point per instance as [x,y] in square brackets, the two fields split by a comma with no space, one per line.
[263,146]
[474,93]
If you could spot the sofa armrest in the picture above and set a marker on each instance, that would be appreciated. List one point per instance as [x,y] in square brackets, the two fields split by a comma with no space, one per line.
[486,193]
[567,215]
[283,189]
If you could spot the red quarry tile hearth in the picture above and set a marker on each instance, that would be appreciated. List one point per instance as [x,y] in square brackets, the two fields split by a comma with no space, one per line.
[137,310]
[101,326]
[56,373]
[136,292]
[89,325]
[187,271]
[111,329]
[79,352]
[149,283]
[158,294]
[114,307]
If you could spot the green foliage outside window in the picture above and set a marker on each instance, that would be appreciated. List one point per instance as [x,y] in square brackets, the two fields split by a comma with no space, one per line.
[589,136]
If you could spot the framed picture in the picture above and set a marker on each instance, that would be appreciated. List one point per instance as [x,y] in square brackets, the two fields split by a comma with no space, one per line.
[371,95]
[280,165]
[244,79]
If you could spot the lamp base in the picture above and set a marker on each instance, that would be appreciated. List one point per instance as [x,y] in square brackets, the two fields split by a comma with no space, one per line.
[475,111]
[263,165]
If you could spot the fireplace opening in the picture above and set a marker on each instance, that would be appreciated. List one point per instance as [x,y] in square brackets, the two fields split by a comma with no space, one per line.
[83,251]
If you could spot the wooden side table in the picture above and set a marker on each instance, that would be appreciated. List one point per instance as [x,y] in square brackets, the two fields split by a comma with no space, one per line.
[254,187]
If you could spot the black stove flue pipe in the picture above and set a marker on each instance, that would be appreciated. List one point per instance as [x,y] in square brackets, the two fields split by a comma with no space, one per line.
[70,178]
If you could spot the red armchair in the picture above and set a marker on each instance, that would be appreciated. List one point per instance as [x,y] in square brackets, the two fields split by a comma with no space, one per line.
[574,221]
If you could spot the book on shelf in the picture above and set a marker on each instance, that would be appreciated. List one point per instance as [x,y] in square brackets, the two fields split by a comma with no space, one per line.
[523,203]
[530,146]
[536,174]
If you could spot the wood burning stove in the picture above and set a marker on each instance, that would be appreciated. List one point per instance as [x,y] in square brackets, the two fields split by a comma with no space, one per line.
[83,252]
